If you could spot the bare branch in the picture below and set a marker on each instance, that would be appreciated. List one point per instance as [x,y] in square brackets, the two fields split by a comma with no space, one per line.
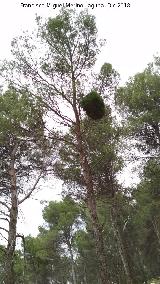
[3,238]
[32,189]
[4,219]
[4,204]
[19,236]
[1,228]
[22,237]
[69,122]
[5,214]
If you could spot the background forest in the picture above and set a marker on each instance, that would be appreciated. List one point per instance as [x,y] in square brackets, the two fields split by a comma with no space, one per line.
[60,119]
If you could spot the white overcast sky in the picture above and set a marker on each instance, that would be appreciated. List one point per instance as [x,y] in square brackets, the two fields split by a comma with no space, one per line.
[133,38]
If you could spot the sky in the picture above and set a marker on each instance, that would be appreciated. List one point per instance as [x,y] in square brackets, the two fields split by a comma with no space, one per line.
[132,35]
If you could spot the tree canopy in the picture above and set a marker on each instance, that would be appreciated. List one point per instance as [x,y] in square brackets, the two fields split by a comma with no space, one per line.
[58,117]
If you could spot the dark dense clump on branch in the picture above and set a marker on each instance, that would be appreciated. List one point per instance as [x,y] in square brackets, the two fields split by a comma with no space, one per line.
[93,105]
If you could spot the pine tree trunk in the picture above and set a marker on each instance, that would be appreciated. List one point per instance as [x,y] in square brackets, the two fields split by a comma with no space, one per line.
[121,248]
[91,201]
[9,271]
[85,276]
[91,204]
[100,251]
[72,264]
[156,229]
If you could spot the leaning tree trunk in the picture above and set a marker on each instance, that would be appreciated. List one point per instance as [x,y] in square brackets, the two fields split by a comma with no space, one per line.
[9,272]
[120,244]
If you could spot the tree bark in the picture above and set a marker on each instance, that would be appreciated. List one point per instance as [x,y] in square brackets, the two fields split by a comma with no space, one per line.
[85,275]
[156,229]
[121,247]
[9,265]
[97,229]
[91,204]
[72,263]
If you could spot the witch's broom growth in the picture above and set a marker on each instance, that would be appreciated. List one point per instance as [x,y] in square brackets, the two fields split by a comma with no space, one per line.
[93,105]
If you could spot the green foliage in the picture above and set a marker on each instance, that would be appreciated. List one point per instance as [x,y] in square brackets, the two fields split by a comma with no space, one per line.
[87,267]
[2,257]
[61,32]
[21,124]
[62,216]
[106,69]
[145,221]
[62,220]
[104,162]
[94,105]
[37,262]
[19,267]
[43,262]
[152,177]
[154,281]
[141,96]
[108,78]
[19,115]
[139,101]
[72,49]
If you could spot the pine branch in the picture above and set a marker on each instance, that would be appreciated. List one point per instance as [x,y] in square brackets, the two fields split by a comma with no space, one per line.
[5,239]
[1,228]
[4,204]
[32,189]
[4,219]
